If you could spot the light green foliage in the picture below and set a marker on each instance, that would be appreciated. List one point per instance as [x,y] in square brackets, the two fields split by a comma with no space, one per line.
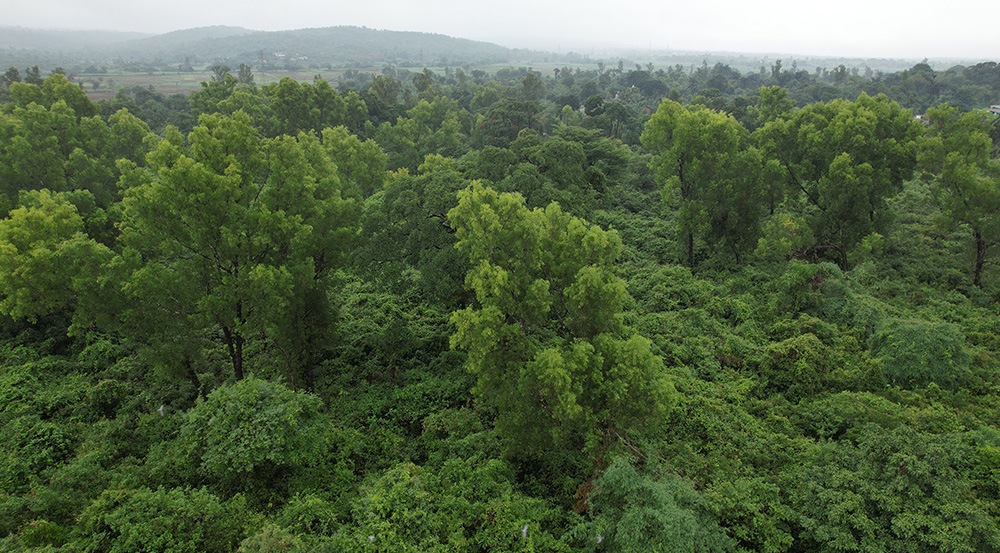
[251,101]
[52,139]
[146,521]
[34,143]
[47,262]
[845,158]
[359,164]
[569,116]
[272,539]
[703,157]
[463,506]
[236,232]
[634,512]
[958,150]
[917,353]
[428,128]
[56,88]
[773,105]
[546,339]
[249,435]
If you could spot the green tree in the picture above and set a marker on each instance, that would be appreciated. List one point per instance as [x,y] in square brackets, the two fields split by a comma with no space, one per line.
[233,231]
[309,107]
[47,262]
[245,75]
[463,506]
[207,98]
[957,151]
[546,338]
[844,158]
[12,75]
[503,121]
[33,76]
[428,128]
[704,157]
[594,105]
[408,234]
[917,353]
[424,83]
[532,87]
[360,164]
[772,105]
[219,72]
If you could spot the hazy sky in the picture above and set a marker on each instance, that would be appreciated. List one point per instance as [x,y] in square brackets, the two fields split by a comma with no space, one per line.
[858,28]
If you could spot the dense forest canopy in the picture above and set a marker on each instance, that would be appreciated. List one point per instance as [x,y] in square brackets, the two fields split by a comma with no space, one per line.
[628,308]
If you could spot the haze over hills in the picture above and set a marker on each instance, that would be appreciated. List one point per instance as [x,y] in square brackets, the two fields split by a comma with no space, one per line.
[358,47]
[237,44]
[52,40]
[185,37]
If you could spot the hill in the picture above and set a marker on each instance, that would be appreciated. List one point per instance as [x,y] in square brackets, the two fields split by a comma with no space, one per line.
[233,45]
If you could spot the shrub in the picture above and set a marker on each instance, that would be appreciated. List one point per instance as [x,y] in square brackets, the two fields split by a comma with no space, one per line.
[916,353]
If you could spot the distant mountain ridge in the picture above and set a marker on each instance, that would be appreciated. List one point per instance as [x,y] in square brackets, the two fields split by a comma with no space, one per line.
[186,36]
[234,45]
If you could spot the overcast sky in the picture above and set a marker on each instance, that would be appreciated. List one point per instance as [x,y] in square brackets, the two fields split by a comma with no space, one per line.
[855,28]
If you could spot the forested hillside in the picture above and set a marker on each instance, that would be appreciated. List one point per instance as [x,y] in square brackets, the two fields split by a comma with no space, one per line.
[623,309]
[339,45]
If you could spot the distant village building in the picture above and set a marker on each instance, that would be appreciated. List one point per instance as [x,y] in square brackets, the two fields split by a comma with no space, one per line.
[995,110]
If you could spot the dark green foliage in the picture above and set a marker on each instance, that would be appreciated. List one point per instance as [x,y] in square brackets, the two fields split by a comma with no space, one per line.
[410,242]
[503,121]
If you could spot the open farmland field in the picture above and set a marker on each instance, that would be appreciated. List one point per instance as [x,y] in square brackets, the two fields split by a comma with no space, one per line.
[175,82]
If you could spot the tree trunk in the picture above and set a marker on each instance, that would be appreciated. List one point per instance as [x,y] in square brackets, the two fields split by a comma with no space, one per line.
[234,343]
